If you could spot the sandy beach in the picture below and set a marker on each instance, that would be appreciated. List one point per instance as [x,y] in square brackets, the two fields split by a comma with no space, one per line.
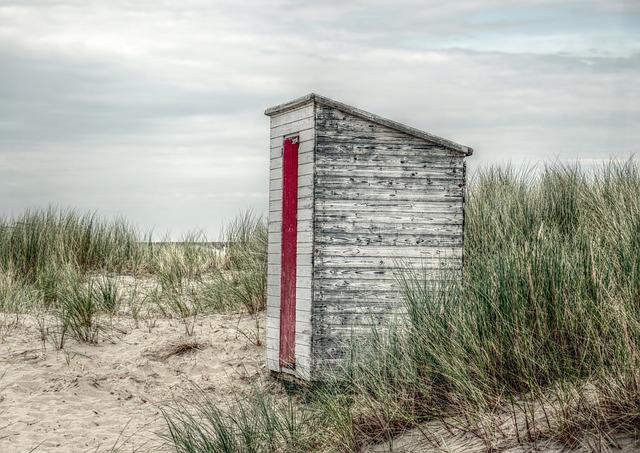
[108,396]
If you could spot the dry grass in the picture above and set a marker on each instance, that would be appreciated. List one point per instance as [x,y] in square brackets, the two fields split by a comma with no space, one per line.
[176,347]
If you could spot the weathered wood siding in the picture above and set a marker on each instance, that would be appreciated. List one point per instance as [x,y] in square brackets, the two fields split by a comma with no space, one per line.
[299,121]
[384,200]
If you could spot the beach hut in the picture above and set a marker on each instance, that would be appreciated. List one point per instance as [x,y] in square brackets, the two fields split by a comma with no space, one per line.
[353,199]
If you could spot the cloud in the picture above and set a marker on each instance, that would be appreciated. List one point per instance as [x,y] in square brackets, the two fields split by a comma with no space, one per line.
[153,110]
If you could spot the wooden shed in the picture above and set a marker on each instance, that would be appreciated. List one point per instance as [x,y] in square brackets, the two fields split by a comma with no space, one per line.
[352,197]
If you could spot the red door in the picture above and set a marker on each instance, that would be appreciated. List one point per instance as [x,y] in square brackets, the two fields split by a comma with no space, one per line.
[289,252]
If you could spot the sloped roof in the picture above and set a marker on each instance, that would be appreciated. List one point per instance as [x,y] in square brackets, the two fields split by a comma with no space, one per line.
[370,117]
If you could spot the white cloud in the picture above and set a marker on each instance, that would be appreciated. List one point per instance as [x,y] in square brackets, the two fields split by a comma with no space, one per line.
[154,109]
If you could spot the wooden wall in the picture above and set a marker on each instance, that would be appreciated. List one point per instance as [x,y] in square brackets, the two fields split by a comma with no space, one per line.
[299,121]
[383,200]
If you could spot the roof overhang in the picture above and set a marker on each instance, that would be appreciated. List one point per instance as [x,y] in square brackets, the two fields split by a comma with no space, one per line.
[312,97]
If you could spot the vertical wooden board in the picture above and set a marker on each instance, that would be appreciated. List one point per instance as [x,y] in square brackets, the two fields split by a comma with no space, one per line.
[273,285]
[289,253]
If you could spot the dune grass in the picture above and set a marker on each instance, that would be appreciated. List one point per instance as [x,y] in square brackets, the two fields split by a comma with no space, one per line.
[68,264]
[549,295]
[546,314]
[259,423]
[38,240]
[545,317]
[242,269]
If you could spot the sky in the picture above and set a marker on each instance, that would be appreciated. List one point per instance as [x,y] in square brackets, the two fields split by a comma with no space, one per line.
[154,110]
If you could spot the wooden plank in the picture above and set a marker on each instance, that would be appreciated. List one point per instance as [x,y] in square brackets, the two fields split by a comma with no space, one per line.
[272,364]
[382,140]
[274,269]
[304,112]
[371,309]
[381,251]
[292,128]
[337,347]
[381,181]
[391,273]
[356,273]
[275,173]
[369,157]
[363,211]
[306,166]
[275,162]
[304,368]
[301,323]
[306,135]
[276,247]
[385,218]
[393,262]
[356,147]
[357,228]
[275,216]
[306,307]
[305,214]
[304,259]
[303,180]
[307,146]
[272,291]
[303,237]
[274,225]
[356,284]
[354,296]
[303,192]
[304,285]
[304,339]
[396,238]
[303,335]
[331,204]
[350,329]
[427,175]
[303,203]
[274,279]
[303,158]
[426,194]
[306,169]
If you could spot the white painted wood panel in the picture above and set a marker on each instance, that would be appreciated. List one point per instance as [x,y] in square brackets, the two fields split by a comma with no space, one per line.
[292,128]
[306,135]
[299,122]
[303,192]
[303,158]
[291,116]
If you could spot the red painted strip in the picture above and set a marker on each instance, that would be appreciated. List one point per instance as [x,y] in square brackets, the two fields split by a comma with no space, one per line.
[289,253]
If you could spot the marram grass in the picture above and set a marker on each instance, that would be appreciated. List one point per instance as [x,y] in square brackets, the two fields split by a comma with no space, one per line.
[38,240]
[547,312]
[67,263]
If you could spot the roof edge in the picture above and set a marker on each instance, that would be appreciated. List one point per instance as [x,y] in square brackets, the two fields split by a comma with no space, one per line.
[290,105]
[312,97]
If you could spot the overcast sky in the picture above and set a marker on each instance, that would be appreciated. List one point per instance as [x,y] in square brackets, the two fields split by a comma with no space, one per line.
[153,110]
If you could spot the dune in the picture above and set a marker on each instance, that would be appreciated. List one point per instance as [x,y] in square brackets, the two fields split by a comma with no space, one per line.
[109,396]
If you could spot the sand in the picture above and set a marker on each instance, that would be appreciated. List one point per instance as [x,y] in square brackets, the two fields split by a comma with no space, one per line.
[498,432]
[108,396]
